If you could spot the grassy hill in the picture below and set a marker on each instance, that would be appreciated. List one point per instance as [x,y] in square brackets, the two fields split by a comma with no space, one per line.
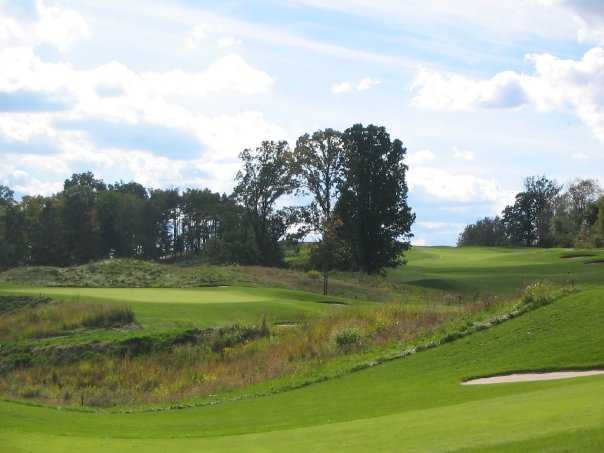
[416,403]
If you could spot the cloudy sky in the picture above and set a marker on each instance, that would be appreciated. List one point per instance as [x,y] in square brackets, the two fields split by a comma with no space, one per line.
[482,92]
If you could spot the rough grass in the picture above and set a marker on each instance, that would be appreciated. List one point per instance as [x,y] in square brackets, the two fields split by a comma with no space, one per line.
[50,319]
[13,303]
[191,369]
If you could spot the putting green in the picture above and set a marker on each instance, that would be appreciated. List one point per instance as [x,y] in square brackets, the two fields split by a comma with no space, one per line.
[205,307]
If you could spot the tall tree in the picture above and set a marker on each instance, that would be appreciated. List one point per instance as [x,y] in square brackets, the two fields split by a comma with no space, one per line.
[319,159]
[268,173]
[7,205]
[373,198]
[542,193]
[489,232]
[80,217]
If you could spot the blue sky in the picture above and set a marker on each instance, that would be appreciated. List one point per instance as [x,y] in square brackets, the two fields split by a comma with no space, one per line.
[482,92]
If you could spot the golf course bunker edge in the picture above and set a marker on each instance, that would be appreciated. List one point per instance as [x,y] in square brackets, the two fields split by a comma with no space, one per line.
[532,377]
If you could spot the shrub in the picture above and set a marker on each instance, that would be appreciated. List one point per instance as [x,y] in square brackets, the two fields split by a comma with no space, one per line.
[313,275]
[539,293]
[108,316]
[348,338]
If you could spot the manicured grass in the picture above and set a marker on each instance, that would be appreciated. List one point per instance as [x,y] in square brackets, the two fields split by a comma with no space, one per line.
[200,307]
[413,404]
[495,270]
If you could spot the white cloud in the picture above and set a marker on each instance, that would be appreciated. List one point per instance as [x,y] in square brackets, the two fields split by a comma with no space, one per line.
[210,36]
[342,87]
[580,156]
[420,157]
[58,27]
[441,226]
[114,94]
[463,154]
[197,35]
[519,14]
[438,91]
[228,41]
[575,86]
[589,15]
[442,185]
[419,242]
[23,70]
[346,87]
[367,83]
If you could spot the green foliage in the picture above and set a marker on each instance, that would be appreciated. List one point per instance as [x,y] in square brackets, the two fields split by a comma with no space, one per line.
[348,338]
[268,173]
[376,219]
[544,216]
[313,274]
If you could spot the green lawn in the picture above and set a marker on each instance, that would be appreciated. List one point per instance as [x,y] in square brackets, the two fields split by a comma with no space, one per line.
[494,270]
[200,307]
[413,404]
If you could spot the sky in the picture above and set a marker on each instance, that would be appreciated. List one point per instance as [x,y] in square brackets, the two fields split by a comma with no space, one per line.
[483,93]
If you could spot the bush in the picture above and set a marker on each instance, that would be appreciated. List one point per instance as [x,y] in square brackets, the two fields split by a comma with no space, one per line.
[313,275]
[539,293]
[108,316]
[348,338]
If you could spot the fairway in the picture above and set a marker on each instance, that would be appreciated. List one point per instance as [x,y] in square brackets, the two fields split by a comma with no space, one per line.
[495,270]
[415,404]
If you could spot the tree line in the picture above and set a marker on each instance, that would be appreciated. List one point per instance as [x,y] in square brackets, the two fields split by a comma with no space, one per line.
[353,184]
[545,214]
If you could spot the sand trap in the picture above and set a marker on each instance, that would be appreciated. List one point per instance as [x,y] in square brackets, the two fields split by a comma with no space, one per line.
[530,377]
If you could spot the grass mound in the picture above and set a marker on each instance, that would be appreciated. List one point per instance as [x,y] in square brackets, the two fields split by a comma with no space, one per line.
[121,273]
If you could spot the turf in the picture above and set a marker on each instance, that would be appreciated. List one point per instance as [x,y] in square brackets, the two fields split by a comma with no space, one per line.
[414,404]
[495,270]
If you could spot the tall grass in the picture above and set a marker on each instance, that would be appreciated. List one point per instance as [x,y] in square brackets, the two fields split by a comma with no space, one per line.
[52,319]
[187,371]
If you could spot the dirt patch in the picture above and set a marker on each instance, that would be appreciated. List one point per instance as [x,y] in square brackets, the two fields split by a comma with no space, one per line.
[532,377]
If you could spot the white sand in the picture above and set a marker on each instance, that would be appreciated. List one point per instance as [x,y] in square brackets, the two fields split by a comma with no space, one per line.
[530,377]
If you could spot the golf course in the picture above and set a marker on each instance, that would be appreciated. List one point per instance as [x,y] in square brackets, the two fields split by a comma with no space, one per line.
[378,398]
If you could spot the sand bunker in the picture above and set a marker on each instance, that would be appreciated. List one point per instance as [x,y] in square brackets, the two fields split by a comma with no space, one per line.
[530,377]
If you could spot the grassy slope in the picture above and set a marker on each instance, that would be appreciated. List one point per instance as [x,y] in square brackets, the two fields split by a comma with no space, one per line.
[410,404]
[494,270]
